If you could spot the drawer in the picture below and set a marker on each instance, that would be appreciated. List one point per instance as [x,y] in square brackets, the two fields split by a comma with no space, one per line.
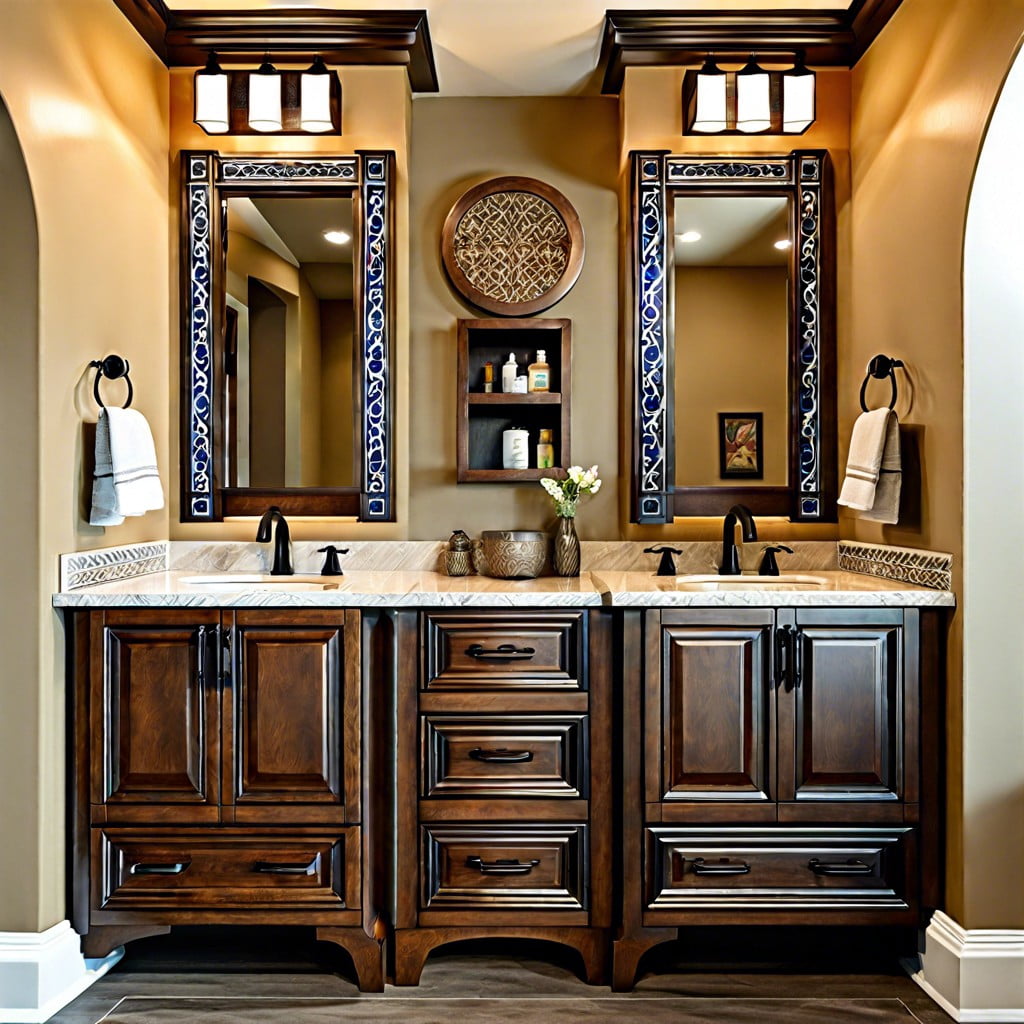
[511,755]
[775,868]
[142,870]
[532,650]
[512,866]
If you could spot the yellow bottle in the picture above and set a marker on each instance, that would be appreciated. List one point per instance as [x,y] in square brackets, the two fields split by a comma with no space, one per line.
[539,373]
[545,449]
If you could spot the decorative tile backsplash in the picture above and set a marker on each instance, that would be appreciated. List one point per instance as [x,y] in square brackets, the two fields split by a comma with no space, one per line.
[105,565]
[905,565]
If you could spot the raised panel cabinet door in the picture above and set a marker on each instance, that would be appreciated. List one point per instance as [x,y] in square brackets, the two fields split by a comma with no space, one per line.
[841,708]
[709,708]
[154,711]
[292,698]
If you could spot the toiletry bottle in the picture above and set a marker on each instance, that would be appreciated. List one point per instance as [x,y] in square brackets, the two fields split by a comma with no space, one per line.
[488,378]
[508,374]
[539,373]
[515,448]
[545,449]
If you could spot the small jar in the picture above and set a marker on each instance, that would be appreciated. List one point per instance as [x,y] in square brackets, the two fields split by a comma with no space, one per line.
[545,449]
[458,557]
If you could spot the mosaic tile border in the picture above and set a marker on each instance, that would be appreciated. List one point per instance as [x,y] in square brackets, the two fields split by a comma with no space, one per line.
[904,565]
[105,565]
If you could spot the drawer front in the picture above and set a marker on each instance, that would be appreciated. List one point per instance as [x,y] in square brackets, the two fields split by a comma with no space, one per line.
[523,867]
[511,755]
[527,650]
[773,868]
[136,870]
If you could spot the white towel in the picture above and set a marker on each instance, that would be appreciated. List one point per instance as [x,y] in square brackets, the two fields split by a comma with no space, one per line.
[126,481]
[873,468]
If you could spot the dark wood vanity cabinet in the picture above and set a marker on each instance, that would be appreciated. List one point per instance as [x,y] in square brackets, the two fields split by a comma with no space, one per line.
[220,775]
[790,769]
[503,786]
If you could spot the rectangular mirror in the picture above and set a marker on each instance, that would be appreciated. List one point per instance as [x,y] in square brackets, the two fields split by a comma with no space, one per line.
[287,323]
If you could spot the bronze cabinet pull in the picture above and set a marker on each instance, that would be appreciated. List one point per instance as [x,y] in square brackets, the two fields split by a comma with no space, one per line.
[840,867]
[266,867]
[501,867]
[502,755]
[503,652]
[721,867]
[159,869]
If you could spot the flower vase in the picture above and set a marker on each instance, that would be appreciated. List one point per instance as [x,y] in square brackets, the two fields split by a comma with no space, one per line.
[565,559]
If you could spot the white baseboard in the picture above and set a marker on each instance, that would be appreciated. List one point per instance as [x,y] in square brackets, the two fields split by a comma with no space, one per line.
[41,972]
[975,975]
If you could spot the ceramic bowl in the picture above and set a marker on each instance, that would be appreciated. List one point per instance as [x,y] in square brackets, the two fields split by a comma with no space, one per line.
[514,554]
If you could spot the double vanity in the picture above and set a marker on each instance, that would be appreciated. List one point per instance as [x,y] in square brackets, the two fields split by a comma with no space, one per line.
[401,759]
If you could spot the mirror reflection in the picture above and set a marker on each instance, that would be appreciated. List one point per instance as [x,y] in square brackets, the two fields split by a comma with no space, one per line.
[732,302]
[291,409]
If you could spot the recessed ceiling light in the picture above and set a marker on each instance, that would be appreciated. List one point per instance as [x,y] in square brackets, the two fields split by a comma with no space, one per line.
[689,236]
[336,237]
[783,243]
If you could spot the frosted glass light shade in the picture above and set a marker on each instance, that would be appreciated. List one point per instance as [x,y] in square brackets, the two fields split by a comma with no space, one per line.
[211,98]
[708,103]
[753,99]
[265,99]
[797,100]
[315,98]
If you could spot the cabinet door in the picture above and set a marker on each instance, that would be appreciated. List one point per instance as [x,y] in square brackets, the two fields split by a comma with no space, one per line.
[154,714]
[292,721]
[709,712]
[840,708]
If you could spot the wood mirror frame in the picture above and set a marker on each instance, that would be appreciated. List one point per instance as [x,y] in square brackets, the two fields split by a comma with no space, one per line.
[208,180]
[805,176]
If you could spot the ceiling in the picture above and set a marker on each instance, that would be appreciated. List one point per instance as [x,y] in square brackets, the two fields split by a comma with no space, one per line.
[515,47]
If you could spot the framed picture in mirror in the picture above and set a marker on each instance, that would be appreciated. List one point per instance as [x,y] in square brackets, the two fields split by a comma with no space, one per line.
[740,445]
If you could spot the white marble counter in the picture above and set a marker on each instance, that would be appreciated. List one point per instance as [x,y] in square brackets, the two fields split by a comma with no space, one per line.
[426,589]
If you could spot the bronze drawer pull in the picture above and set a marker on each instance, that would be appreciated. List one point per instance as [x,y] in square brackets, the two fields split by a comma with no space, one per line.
[501,867]
[847,867]
[503,652]
[721,867]
[501,756]
[159,869]
[266,867]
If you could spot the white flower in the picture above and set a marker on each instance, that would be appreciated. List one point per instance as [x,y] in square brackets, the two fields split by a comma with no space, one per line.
[596,487]
[575,473]
[553,487]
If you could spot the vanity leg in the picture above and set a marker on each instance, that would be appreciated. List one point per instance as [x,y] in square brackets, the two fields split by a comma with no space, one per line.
[412,947]
[367,955]
[627,951]
[102,939]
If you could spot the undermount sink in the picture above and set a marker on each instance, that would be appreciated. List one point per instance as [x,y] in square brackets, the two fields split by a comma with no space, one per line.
[257,581]
[786,581]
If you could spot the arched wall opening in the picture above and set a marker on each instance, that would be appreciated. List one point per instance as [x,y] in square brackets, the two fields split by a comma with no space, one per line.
[20,681]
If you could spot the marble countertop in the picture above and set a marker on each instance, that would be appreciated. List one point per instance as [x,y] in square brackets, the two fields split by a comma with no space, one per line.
[426,589]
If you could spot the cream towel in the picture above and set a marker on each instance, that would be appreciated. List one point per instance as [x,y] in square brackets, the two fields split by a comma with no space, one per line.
[126,481]
[873,468]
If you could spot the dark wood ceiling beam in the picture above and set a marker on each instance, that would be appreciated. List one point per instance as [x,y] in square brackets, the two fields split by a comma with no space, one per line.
[674,39]
[380,38]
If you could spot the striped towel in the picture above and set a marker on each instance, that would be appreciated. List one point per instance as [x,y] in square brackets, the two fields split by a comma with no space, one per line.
[873,469]
[126,481]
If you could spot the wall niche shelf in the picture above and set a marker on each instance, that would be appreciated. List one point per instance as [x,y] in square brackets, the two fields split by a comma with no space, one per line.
[483,417]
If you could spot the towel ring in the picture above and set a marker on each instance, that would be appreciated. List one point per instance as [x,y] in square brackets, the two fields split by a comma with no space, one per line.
[881,367]
[112,368]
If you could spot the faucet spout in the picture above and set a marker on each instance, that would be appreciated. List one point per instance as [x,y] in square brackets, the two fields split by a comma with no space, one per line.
[730,565]
[282,540]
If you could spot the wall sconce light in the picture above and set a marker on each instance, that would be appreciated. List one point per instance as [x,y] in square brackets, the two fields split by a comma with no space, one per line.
[751,101]
[267,101]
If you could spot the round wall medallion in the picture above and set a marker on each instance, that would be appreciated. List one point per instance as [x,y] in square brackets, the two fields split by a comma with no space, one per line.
[512,246]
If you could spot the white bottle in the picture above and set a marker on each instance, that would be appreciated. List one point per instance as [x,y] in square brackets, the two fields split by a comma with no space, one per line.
[509,372]
[515,448]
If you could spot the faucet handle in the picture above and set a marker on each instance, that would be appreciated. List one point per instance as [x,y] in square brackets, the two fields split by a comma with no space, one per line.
[332,567]
[769,567]
[667,565]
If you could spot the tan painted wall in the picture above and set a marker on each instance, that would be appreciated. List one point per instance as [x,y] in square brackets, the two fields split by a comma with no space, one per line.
[922,96]
[336,425]
[89,103]
[376,111]
[651,118]
[732,355]
[458,143]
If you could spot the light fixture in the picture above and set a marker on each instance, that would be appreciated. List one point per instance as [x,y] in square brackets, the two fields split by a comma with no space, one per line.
[704,98]
[265,98]
[782,244]
[315,98]
[689,236]
[211,97]
[336,236]
[751,101]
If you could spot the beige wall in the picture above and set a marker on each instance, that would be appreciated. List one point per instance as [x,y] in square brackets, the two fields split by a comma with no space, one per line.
[922,96]
[458,143]
[336,424]
[732,355]
[89,103]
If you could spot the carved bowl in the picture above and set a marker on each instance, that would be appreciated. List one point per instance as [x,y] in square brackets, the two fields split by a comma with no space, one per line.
[514,554]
